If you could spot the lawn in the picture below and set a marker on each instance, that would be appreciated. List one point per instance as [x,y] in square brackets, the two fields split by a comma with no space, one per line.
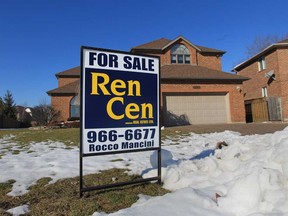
[62,197]
[40,175]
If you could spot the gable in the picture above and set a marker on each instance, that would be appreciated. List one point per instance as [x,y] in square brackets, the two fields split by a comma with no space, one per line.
[163,44]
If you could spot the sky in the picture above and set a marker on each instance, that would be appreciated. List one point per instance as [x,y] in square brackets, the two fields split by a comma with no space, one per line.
[41,38]
[249,175]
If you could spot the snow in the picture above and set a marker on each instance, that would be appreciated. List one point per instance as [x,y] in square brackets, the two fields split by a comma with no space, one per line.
[246,178]
[19,210]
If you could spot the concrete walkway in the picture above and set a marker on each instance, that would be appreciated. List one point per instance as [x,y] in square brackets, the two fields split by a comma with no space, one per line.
[244,129]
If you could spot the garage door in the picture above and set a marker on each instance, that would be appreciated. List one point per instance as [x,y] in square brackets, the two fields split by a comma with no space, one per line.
[196,109]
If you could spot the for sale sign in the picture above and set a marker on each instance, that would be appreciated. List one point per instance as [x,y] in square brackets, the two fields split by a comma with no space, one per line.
[120,101]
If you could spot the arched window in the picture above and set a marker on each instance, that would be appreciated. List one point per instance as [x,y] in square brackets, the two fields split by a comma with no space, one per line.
[75,107]
[180,54]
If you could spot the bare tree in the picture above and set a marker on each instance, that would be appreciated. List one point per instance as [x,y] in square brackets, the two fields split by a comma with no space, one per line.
[261,42]
[45,114]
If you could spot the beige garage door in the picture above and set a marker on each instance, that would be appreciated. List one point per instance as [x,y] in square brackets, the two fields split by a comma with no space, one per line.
[196,109]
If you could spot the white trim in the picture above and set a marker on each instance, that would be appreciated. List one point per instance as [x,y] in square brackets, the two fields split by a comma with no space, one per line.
[264,91]
[261,64]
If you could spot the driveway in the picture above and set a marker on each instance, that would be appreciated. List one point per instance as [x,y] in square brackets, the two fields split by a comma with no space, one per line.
[244,129]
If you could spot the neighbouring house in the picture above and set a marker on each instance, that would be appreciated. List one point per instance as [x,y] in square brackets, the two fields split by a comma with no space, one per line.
[194,89]
[24,116]
[65,98]
[266,92]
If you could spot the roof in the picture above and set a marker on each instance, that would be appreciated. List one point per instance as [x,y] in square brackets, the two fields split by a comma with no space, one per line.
[162,43]
[71,88]
[280,44]
[168,72]
[72,72]
[156,44]
[284,41]
[191,72]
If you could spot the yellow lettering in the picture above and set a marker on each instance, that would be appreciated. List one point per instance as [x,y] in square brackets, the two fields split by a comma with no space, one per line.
[101,85]
[95,84]
[131,84]
[118,84]
[109,108]
[146,107]
[117,87]
[130,108]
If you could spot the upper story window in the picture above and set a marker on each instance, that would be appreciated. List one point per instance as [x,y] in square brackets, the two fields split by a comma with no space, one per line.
[180,54]
[264,92]
[261,64]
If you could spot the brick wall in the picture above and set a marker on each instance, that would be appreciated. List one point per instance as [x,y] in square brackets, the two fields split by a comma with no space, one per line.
[236,102]
[275,60]
[283,80]
[253,88]
[237,111]
[209,61]
[62,104]
[196,58]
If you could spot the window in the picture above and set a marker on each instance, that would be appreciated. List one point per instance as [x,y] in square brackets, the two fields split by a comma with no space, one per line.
[75,107]
[180,54]
[261,64]
[264,92]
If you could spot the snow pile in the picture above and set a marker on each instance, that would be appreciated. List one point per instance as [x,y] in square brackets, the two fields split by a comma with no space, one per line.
[166,158]
[248,177]
[186,201]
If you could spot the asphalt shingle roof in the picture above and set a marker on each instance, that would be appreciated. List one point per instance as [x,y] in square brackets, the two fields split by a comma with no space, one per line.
[71,88]
[72,72]
[161,43]
[192,72]
[156,44]
[168,72]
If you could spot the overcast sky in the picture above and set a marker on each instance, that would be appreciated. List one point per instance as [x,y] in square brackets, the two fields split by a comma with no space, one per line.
[39,38]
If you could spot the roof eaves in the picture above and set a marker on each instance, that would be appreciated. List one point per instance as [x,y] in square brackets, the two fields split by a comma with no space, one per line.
[69,89]
[258,55]
[181,37]
[147,46]
[140,49]
[72,72]
[211,50]
[68,76]
[239,80]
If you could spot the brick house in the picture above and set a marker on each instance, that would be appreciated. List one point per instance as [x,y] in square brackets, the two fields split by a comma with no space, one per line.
[194,89]
[266,92]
